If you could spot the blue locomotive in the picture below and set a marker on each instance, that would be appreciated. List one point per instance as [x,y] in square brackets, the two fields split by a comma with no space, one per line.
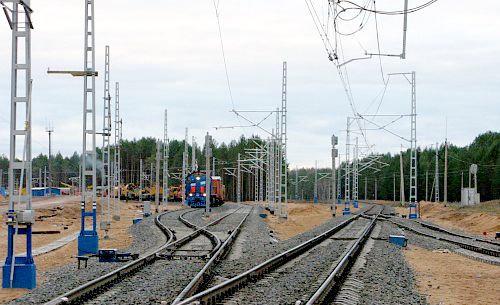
[196,195]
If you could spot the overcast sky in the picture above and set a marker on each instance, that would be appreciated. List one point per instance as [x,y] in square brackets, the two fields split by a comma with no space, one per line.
[167,55]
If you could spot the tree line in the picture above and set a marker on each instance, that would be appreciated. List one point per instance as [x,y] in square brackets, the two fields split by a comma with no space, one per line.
[483,151]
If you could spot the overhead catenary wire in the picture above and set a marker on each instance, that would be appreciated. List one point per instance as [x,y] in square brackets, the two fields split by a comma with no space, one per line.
[216,6]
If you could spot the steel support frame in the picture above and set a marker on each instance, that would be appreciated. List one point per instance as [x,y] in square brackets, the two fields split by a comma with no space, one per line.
[355,175]
[347,207]
[88,241]
[184,167]
[283,190]
[106,158]
[413,152]
[20,271]
[118,143]
[166,188]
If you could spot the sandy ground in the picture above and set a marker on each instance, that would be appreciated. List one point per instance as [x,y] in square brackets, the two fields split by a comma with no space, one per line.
[446,278]
[63,214]
[302,217]
[449,278]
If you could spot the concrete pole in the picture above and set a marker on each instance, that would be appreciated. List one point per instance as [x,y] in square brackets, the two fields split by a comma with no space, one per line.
[376,186]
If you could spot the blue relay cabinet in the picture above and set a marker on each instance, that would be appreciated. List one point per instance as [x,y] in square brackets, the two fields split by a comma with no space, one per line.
[398,240]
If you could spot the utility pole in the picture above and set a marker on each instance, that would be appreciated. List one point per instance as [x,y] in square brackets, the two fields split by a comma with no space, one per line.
[20,272]
[376,186]
[335,141]
[50,130]
[208,189]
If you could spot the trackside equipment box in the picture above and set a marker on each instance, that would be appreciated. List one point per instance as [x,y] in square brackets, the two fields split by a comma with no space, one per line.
[398,240]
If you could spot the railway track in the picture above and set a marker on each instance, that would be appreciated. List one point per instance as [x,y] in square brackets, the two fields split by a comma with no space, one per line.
[478,249]
[287,267]
[112,286]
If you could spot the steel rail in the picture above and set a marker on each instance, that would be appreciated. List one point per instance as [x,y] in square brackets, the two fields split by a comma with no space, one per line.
[202,276]
[214,239]
[470,247]
[334,281]
[436,228]
[88,288]
[102,283]
[217,293]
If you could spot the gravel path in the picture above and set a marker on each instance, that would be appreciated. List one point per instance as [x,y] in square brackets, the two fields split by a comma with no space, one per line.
[387,276]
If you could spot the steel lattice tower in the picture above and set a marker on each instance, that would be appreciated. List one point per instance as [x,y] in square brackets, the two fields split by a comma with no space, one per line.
[413,160]
[277,165]
[347,209]
[339,185]
[88,240]
[436,175]
[166,189]
[184,167]
[106,159]
[20,271]
[261,174]
[269,182]
[283,157]
[355,174]
[238,185]
[118,143]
